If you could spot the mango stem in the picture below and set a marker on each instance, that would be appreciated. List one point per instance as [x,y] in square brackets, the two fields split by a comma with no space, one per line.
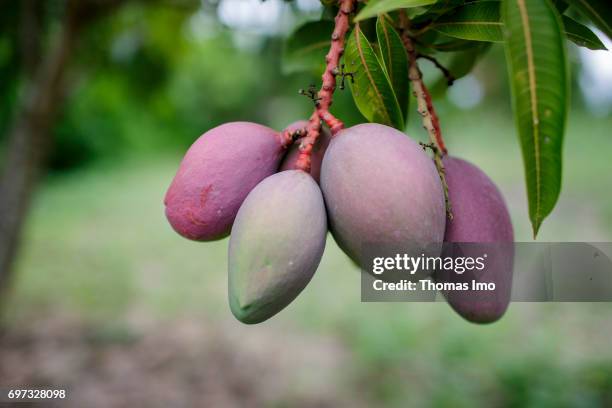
[325,94]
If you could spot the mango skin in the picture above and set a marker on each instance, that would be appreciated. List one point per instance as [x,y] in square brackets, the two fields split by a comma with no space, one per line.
[276,245]
[382,192]
[318,151]
[216,174]
[480,215]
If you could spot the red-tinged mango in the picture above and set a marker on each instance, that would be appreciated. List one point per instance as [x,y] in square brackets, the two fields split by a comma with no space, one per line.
[218,171]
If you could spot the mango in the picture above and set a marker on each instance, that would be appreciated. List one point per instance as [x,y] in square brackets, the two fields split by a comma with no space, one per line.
[480,216]
[276,245]
[383,194]
[318,150]
[216,174]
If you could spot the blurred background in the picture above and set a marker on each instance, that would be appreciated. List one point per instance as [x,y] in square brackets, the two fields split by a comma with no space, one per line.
[99,99]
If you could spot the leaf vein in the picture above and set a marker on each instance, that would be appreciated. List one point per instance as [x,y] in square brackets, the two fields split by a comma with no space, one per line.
[367,70]
[534,101]
[388,41]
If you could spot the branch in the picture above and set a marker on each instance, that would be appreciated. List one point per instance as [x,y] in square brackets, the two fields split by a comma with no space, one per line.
[288,136]
[450,79]
[324,99]
[426,109]
[442,173]
[30,36]
[424,103]
[29,140]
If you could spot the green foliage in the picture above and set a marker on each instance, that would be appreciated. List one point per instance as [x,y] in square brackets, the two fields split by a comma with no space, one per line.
[599,12]
[377,7]
[457,33]
[144,82]
[395,61]
[305,49]
[372,90]
[478,21]
[148,85]
[538,78]
[581,35]
[461,64]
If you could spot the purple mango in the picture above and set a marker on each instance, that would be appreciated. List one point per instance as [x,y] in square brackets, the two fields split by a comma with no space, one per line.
[276,245]
[318,150]
[216,174]
[480,216]
[383,194]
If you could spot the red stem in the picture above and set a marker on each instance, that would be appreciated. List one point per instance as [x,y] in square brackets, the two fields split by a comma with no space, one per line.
[434,120]
[321,112]
[425,105]
[426,109]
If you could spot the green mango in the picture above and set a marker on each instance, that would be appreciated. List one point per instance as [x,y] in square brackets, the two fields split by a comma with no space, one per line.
[276,245]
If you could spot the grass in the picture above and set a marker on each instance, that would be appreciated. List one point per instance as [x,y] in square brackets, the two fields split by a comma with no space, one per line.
[97,245]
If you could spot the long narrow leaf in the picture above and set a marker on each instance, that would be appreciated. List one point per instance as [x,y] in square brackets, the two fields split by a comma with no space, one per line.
[371,89]
[376,7]
[581,35]
[537,64]
[598,11]
[479,21]
[395,61]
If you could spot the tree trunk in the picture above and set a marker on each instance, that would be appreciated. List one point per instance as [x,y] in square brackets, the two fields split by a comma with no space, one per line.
[29,141]
[28,144]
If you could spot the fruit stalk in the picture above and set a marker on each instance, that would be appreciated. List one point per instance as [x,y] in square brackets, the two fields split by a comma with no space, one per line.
[425,105]
[325,94]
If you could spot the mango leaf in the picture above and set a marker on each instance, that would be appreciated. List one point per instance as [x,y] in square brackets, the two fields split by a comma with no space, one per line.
[433,11]
[449,44]
[561,5]
[479,21]
[394,60]
[459,65]
[463,63]
[443,6]
[537,65]
[581,35]
[306,48]
[375,7]
[371,89]
[598,11]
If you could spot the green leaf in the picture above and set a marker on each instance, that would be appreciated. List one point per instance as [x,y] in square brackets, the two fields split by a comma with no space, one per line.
[394,61]
[376,7]
[306,48]
[598,11]
[448,44]
[479,21]
[581,35]
[371,89]
[459,65]
[433,11]
[561,5]
[537,65]
[463,63]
